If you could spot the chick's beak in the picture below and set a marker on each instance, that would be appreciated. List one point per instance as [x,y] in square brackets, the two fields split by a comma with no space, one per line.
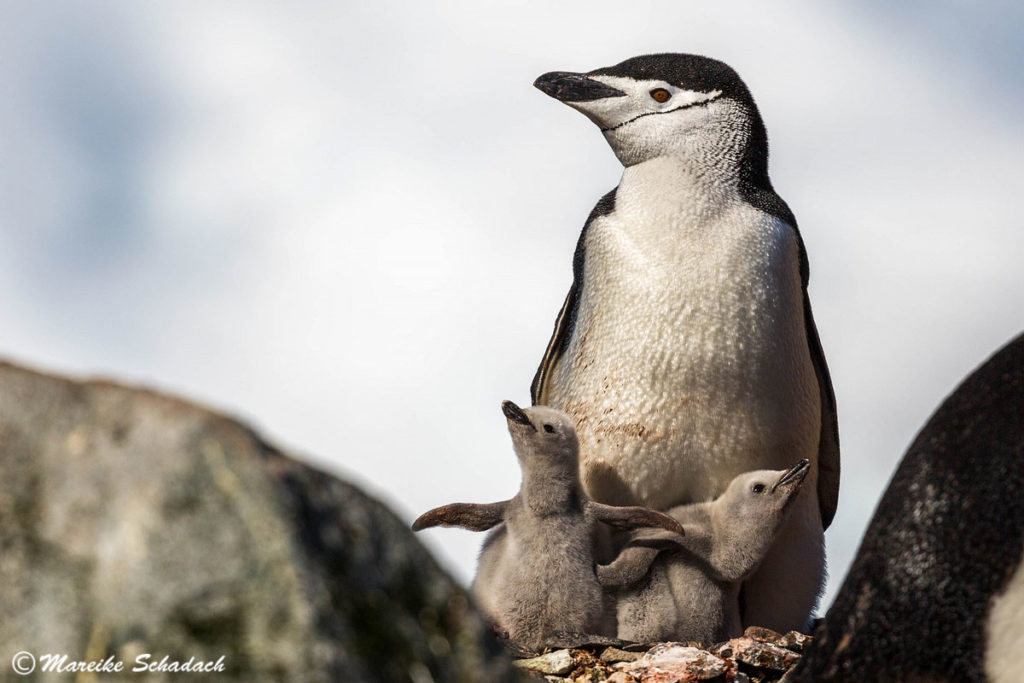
[514,413]
[794,475]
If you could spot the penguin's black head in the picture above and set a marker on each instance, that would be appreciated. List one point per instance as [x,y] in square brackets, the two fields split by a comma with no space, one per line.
[667,104]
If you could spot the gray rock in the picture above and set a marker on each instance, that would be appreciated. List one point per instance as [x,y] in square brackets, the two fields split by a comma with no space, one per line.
[611,655]
[621,677]
[758,654]
[559,662]
[134,523]
[794,640]
[765,635]
[673,663]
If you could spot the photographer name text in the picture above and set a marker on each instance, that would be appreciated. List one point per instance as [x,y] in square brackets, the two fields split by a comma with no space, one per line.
[24,663]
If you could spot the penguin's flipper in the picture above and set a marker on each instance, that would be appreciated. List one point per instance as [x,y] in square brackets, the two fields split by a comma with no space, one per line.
[828,439]
[631,517]
[828,442]
[472,516]
[557,343]
[566,320]
[632,565]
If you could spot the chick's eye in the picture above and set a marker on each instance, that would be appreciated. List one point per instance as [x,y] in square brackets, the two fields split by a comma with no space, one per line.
[758,488]
[549,429]
[660,95]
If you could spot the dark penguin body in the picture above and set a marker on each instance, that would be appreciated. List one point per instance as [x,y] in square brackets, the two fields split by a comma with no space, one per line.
[686,351]
[936,592]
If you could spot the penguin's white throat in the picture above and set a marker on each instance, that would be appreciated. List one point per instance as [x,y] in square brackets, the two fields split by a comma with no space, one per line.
[672,185]
[551,490]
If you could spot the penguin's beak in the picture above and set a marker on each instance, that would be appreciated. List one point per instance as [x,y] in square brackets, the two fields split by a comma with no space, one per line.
[514,413]
[569,87]
[794,475]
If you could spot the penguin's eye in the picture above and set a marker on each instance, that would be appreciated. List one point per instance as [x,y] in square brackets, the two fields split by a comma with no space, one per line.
[758,488]
[549,429]
[660,95]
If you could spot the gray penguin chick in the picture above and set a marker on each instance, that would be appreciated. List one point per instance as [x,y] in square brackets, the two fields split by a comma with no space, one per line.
[536,575]
[687,588]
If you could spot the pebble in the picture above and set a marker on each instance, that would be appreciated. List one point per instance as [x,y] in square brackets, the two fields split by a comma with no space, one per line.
[559,662]
[672,662]
[612,655]
[765,635]
[758,654]
[795,641]
[620,677]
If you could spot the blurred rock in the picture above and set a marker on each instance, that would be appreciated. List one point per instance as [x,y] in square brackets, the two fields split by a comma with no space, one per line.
[936,591]
[134,523]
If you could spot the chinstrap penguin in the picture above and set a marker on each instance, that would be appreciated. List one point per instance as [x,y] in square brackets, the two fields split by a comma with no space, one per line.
[687,588]
[536,575]
[686,350]
[936,590]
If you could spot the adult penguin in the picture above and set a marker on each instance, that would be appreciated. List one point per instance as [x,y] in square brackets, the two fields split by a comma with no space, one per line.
[686,351]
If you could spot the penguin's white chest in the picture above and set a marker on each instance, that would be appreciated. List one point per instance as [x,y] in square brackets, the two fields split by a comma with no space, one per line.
[688,363]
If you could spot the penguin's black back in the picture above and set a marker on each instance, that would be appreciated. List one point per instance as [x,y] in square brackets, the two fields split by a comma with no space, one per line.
[946,537]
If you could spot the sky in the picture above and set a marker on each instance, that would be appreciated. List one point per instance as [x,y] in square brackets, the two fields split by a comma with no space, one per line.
[351,224]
